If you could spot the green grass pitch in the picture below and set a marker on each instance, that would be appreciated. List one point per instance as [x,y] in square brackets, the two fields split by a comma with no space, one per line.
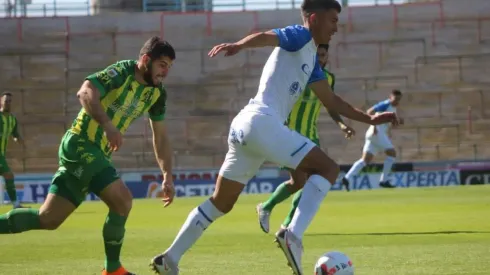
[397,232]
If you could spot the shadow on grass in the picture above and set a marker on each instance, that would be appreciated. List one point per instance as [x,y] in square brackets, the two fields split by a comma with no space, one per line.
[399,233]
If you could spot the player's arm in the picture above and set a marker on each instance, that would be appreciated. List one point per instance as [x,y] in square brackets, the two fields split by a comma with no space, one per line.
[16,135]
[291,38]
[89,97]
[162,148]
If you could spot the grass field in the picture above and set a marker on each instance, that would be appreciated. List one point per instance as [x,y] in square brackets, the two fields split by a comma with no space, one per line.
[400,232]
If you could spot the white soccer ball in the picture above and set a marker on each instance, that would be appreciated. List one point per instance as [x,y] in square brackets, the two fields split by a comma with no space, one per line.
[334,263]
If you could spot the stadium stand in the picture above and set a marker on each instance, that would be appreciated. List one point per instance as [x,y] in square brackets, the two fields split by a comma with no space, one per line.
[436,52]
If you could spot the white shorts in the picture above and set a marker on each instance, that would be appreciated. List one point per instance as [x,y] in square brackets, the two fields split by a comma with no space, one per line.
[377,143]
[255,138]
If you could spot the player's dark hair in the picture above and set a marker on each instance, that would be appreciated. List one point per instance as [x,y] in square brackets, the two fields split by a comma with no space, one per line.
[311,6]
[324,46]
[6,94]
[156,47]
[396,93]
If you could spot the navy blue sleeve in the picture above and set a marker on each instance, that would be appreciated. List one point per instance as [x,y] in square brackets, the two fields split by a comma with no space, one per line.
[317,74]
[381,106]
[293,38]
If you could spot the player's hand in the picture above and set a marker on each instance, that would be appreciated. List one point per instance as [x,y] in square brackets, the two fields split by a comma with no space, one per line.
[113,135]
[229,49]
[349,131]
[382,118]
[168,191]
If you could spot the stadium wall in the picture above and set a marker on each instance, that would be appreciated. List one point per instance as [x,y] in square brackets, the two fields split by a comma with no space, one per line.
[189,183]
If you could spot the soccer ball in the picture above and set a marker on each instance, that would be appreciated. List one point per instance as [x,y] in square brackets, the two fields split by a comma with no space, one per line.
[334,263]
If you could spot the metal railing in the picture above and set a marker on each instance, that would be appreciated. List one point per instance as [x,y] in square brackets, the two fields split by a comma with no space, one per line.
[44,8]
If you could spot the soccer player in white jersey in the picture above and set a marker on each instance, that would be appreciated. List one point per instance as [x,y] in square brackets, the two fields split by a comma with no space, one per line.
[377,140]
[258,132]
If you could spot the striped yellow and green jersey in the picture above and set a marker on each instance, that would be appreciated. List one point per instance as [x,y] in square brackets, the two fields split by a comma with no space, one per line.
[123,99]
[304,115]
[8,128]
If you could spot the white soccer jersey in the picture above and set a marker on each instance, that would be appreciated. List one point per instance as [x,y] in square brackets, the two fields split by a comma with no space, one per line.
[382,106]
[290,67]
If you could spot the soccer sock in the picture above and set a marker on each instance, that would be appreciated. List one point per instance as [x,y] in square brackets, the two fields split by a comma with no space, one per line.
[355,169]
[198,220]
[389,161]
[19,220]
[10,186]
[113,233]
[280,194]
[315,190]
[294,205]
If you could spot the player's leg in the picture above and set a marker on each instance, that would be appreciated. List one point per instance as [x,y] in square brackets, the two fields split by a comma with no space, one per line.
[282,192]
[8,177]
[390,159]
[299,178]
[370,148]
[59,204]
[241,164]
[114,193]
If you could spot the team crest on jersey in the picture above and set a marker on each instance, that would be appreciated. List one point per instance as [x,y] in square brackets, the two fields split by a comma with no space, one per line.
[294,88]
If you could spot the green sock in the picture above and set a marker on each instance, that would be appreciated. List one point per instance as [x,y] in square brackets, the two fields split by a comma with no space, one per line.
[19,220]
[113,234]
[280,194]
[290,215]
[10,186]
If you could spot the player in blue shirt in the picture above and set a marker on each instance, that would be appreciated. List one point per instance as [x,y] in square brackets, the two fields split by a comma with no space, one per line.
[377,140]
[258,133]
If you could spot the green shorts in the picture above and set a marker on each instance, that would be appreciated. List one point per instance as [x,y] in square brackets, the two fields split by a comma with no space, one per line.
[83,169]
[4,167]
[315,140]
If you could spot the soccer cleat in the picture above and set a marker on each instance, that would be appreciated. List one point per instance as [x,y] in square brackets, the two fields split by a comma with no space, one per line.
[163,265]
[346,183]
[292,248]
[386,184]
[264,217]
[119,271]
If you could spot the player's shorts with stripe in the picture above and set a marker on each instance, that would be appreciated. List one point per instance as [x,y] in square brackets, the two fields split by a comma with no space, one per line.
[379,142]
[83,168]
[255,138]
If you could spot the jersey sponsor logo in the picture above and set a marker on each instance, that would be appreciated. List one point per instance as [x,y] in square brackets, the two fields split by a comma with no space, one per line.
[128,110]
[112,73]
[294,88]
[306,69]
[237,137]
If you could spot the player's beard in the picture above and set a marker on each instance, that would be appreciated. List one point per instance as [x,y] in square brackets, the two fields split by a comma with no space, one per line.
[148,77]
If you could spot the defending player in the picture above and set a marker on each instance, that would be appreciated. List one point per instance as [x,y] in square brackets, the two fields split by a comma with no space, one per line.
[111,100]
[258,132]
[8,128]
[377,139]
[303,119]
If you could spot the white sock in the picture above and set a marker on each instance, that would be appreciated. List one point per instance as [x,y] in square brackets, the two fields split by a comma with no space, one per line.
[314,191]
[389,161]
[16,203]
[197,221]
[355,169]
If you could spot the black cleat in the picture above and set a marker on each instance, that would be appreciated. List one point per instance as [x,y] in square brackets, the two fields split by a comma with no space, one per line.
[346,183]
[386,184]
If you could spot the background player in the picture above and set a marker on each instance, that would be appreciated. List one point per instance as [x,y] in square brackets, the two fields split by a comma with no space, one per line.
[377,139]
[8,128]
[258,132]
[111,100]
[303,119]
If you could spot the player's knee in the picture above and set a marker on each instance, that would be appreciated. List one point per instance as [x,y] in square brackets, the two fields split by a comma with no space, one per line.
[318,163]
[224,203]
[391,153]
[124,206]
[367,158]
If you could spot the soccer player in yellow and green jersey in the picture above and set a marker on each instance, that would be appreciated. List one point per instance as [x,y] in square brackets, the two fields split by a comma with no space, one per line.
[303,119]
[8,128]
[111,100]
